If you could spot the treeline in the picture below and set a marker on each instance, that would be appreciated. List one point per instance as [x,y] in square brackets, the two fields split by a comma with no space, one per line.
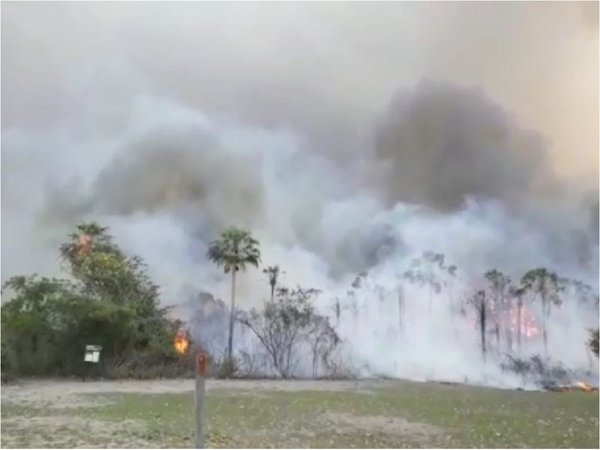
[500,305]
[109,300]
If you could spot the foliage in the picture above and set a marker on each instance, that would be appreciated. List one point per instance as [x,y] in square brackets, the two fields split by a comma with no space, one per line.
[110,301]
[284,324]
[535,369]
[273,273]
[226,368]
[593,342]
[234,250]
[543,284]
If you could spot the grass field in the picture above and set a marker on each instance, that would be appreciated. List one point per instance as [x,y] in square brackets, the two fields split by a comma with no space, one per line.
[295,414]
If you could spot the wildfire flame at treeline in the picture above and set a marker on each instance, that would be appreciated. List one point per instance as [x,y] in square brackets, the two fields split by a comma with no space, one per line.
[181,343]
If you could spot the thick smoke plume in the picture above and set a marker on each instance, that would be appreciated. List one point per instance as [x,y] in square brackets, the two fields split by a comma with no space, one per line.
[347,139]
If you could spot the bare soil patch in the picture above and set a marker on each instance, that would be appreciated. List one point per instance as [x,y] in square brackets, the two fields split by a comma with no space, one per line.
[396,426]
[72,393]
[58,431]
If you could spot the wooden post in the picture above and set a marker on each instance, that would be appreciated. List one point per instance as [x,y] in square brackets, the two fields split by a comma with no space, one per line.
[199,398]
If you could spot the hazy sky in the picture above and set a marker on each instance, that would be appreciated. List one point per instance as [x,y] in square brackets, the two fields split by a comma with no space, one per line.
[320,68]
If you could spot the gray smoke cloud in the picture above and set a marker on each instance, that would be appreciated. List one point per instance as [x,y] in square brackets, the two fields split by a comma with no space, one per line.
[441,144]
[348,138]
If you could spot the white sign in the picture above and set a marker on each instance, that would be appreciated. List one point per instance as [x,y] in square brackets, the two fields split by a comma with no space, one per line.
[92,353]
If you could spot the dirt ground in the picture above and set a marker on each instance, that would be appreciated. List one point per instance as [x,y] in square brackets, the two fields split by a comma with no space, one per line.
[64,393]
[55,413]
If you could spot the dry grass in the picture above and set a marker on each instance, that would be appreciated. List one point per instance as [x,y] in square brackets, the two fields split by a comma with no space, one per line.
[299,414]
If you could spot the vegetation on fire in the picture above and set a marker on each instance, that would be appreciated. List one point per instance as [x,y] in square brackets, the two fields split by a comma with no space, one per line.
[108,299]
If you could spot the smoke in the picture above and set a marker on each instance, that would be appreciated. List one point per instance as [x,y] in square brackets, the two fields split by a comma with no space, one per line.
[441,144]
[312,126]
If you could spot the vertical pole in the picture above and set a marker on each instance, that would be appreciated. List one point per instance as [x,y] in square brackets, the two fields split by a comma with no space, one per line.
[199,399]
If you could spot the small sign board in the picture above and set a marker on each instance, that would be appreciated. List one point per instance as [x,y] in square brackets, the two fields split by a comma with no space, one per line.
[92,353]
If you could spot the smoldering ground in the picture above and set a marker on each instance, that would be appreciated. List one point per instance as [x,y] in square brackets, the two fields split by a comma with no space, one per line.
[344,141]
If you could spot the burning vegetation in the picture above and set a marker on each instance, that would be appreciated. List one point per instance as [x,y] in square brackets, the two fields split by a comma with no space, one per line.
[181,342]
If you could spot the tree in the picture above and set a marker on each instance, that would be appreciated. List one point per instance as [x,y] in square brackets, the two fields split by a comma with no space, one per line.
[500,304]
[110,301]
[284,324]
[518,292]
[322,338]
[273,273]
[422,274]
[478,302]
[543,284]
[584,293]
[86,238]
[49,321]
[233,251]
[429,271]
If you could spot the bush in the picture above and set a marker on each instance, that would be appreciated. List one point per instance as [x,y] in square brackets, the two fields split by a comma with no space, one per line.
[226,368]
[542,372]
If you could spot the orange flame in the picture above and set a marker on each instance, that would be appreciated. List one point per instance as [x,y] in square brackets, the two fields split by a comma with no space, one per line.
[84,244]
[180,342]
[584,387]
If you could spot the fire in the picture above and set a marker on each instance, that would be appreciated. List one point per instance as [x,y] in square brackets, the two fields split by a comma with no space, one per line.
[180,342]
[584,387]
[528,326]
[84,244]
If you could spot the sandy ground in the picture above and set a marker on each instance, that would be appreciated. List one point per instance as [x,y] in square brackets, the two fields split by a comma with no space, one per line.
[65,393]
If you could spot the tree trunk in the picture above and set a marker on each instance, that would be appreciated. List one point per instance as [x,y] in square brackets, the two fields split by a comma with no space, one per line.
[315,358]
[231,317]
[482,320]
[508,325]
[497,333]
[544,330]
[519,322]
[272,292]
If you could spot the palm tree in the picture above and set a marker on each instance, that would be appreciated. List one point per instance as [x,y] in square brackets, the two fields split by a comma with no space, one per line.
[88,237]
[273,273]
[234,249]
[544,284]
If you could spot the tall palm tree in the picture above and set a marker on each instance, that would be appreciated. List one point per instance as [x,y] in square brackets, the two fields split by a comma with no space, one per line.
[273,273]
[233,251]
[543,284]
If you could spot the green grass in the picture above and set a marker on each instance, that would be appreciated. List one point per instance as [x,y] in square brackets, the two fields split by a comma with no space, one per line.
[452,416]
